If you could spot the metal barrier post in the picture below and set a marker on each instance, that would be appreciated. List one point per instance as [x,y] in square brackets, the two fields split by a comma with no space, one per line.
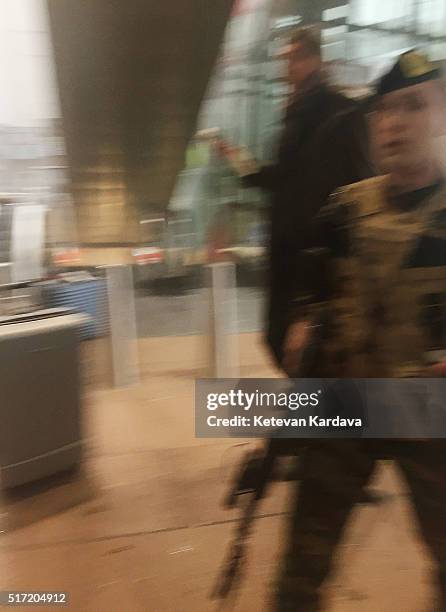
[223,333]
[123,334]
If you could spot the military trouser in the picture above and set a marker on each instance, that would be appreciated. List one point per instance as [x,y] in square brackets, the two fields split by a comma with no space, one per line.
[333,475]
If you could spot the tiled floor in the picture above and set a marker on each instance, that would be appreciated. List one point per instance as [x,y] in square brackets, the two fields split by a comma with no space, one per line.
[149,533]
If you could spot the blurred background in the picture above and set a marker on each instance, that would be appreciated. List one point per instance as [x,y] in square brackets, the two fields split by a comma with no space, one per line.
[118,205]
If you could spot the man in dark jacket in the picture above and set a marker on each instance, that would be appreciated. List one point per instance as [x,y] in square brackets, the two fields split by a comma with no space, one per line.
[323,146]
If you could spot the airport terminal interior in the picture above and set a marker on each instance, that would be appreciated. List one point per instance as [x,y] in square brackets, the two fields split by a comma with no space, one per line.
[133,261]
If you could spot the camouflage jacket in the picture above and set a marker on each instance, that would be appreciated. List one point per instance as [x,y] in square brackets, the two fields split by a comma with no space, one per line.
[381,289]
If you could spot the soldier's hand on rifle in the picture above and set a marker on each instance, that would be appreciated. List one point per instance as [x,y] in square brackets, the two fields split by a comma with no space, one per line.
[296,339]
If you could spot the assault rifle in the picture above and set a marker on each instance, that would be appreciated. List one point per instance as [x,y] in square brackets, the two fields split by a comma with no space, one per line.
[258,470]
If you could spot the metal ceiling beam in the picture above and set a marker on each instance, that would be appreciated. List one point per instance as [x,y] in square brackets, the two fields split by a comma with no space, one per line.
[377,27]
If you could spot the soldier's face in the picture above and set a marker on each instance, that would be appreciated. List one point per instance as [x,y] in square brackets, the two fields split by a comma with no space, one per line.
[405,124]
[301,65]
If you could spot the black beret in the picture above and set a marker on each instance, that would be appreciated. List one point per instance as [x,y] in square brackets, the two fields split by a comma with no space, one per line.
[412,67]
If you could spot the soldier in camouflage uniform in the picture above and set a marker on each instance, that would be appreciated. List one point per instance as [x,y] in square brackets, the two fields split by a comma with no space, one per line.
[382,294]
